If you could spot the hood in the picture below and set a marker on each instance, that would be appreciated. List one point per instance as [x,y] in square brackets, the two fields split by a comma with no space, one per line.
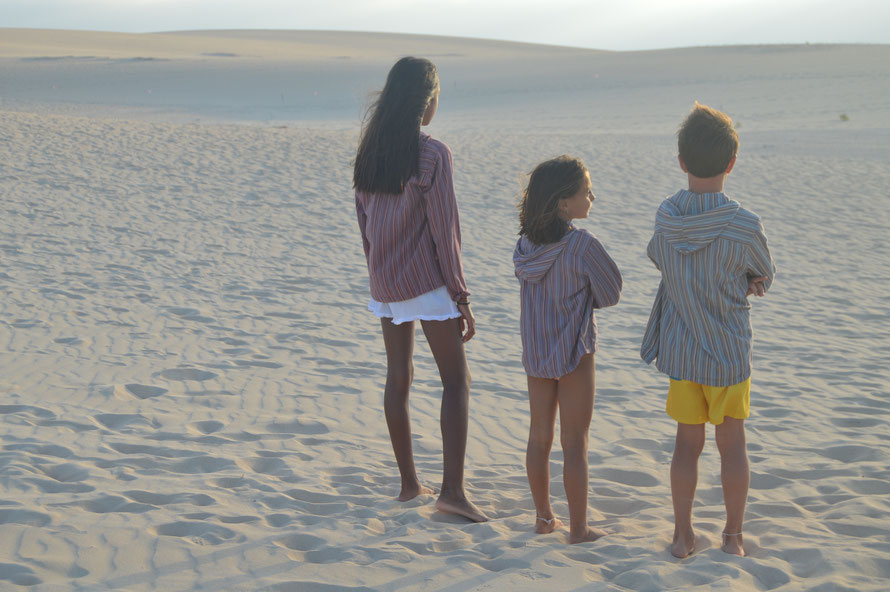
[688,230]
[532,262]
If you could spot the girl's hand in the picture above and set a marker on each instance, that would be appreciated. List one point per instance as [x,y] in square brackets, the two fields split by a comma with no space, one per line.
[467,322]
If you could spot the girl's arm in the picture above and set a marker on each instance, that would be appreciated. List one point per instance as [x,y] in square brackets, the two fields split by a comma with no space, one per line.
[441,209]
[650,251]
[604,276]
[362,224]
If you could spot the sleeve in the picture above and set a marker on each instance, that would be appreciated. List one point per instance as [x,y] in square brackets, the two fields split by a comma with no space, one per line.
[442,214]
[603,275]
[759,260]
[362,225]
[650,251]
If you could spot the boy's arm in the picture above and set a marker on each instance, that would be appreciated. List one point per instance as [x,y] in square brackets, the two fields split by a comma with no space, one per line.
[761,268]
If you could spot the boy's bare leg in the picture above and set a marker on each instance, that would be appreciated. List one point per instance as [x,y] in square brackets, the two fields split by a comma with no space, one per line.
[445,342]
[543,405]
[684,478]
[735,475]
[399,343]
[575,393]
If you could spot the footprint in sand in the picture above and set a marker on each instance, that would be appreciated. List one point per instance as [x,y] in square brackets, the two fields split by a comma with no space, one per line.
[191,314]
[299,427]
[26,517]
[199,533]
[116,421]
[18,575]
[187,374]
[634,478]
[268,466]
[301,542]
[205,427]
[143,391]
[27,409]
[107,504]
[66,473]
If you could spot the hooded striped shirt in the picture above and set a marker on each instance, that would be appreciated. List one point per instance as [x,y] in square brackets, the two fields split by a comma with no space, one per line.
[412,240]
[706,247]
[561,284]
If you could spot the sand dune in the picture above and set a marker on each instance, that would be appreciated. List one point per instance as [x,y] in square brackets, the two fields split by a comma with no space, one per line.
[191,386]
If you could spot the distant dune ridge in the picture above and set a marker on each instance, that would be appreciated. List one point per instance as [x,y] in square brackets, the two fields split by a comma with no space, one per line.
[192,387]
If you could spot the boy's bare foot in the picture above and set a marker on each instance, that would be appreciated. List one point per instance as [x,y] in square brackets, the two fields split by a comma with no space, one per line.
[683,544]
[591,534]
[409,492]
[732,544]
[547,525]
[461,507]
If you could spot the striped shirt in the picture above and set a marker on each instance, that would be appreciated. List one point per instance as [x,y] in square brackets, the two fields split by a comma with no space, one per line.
[706,246]
[560,285]
[412,240]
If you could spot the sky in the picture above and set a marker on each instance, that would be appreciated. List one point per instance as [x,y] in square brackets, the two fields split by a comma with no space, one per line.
[599,24]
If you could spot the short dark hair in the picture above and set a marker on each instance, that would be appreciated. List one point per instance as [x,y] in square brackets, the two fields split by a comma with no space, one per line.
[551,181]
[707,141]
[389,150]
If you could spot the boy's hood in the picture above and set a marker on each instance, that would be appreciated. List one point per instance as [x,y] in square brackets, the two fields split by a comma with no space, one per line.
[688,233]
[532,262]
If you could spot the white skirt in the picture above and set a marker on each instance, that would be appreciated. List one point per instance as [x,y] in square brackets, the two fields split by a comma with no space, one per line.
[435,305]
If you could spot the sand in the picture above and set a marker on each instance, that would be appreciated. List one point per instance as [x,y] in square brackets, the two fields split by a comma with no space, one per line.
[191,387]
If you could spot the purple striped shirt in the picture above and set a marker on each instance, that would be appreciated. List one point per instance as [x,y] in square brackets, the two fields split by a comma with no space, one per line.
[412,240]
[560,285]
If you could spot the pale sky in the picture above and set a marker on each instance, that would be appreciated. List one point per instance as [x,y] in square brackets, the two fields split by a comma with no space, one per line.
[601,24]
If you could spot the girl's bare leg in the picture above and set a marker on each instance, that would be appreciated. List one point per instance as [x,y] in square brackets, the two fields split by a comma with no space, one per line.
[684,477]
[399,343]
[543,406]
[736,477]
[575,393]
[445,342]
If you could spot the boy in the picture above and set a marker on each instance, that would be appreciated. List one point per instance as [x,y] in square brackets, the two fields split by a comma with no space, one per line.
[712,254]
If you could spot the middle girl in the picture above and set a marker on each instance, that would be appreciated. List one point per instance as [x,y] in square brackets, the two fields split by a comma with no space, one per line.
[564,274]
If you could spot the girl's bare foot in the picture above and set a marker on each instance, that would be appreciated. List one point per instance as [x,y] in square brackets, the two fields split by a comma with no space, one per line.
[547,525]
[409,492]
[732,544]
[591,534]
[461,507]
[683,545]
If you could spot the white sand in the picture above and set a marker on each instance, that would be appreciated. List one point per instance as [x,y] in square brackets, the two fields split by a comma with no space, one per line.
[191,387]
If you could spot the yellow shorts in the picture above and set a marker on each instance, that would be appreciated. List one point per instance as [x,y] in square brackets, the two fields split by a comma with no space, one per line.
[694,403]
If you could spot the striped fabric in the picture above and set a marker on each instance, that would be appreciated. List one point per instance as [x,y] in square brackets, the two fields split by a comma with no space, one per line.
[412,240]
[561,284]
[706,246]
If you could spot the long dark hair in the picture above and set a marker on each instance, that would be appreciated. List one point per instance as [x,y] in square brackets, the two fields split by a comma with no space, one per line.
[389,150]
[551,181]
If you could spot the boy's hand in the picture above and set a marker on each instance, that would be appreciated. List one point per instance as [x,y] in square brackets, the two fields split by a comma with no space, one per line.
[755,286]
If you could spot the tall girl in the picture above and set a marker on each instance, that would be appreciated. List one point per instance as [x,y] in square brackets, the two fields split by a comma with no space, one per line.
[564,273]
[407,213]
